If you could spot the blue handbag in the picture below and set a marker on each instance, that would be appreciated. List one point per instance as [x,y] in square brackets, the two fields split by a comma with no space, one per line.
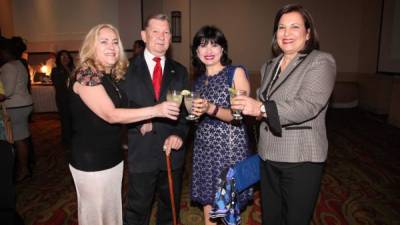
[247,172]
[233,181]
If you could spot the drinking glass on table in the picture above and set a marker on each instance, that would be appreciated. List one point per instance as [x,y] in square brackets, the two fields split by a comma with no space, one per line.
[189,104]
[236,113]
[174,96]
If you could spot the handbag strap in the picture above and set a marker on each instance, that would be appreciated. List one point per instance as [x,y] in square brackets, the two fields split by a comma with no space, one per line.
[230,74]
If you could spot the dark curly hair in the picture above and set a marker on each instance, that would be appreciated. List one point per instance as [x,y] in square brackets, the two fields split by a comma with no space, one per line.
[19,46]
[209,34]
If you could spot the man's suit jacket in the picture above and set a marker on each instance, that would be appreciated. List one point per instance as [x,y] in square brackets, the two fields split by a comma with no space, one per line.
[145,153]
[294,130]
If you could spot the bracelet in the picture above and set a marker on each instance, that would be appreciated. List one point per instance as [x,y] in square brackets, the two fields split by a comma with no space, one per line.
[216,109]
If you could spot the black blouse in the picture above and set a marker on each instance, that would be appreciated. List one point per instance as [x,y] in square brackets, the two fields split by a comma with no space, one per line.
[96,144]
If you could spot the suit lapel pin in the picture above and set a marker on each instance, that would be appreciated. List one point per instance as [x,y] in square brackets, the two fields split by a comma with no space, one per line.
[172,71]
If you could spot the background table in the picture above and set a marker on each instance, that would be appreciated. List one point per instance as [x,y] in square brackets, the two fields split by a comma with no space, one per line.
[43,97]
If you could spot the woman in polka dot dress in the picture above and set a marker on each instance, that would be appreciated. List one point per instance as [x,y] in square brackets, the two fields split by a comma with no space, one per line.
[219,141]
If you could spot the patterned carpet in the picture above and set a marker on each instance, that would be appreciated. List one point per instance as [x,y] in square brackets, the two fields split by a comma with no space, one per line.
[361,184]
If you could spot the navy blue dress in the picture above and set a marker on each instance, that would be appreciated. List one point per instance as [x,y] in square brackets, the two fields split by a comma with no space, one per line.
[217,144]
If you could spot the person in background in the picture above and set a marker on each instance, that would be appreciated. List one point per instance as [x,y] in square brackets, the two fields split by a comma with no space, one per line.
[96,101]
[20,48]
[148,79]
[218,143]
[8,212]
[138,48]
[22,56]
[2,99]
[2,96]
[293,100]
[2,39]
[60,77]
[18,102]
[51,61]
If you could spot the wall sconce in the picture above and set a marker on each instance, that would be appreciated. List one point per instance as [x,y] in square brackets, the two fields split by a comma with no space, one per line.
[176,26]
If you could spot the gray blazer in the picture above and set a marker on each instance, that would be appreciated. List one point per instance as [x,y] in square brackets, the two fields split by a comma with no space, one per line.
[296,104]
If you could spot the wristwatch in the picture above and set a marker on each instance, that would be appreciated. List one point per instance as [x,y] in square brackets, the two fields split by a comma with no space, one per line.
[262,108]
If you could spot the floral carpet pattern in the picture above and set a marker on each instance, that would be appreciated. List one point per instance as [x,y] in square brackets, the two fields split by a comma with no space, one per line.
[361,184]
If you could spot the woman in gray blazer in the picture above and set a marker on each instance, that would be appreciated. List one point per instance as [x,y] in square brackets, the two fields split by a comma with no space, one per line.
[292,103]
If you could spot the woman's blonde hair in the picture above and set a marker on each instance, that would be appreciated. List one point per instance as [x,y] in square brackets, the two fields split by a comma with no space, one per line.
[88,49]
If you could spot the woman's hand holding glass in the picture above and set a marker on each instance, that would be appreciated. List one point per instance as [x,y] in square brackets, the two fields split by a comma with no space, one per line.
[200,106]
[247,105]
[168,109]
[236,112]
[191,100]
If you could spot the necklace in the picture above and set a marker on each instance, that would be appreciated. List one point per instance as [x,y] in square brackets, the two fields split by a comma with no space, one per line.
[273,80]
[116,89]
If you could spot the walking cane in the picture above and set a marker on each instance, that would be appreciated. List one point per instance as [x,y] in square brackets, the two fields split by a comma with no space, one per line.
[171,187]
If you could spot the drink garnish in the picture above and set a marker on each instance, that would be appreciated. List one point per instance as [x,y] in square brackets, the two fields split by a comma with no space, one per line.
[185,92]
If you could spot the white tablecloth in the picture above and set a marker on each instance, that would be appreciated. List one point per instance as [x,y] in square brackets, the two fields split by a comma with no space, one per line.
[44,98]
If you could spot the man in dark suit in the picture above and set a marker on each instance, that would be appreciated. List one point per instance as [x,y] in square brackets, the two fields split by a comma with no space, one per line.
[148,140]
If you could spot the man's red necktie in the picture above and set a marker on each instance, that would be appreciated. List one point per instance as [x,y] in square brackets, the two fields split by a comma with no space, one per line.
[157,76]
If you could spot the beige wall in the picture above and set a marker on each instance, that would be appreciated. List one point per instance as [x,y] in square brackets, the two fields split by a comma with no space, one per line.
[151,7]
[180,51]
[344,26]
[50,25]
[129,21]
[244,24]
[6,21]
[369,36]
